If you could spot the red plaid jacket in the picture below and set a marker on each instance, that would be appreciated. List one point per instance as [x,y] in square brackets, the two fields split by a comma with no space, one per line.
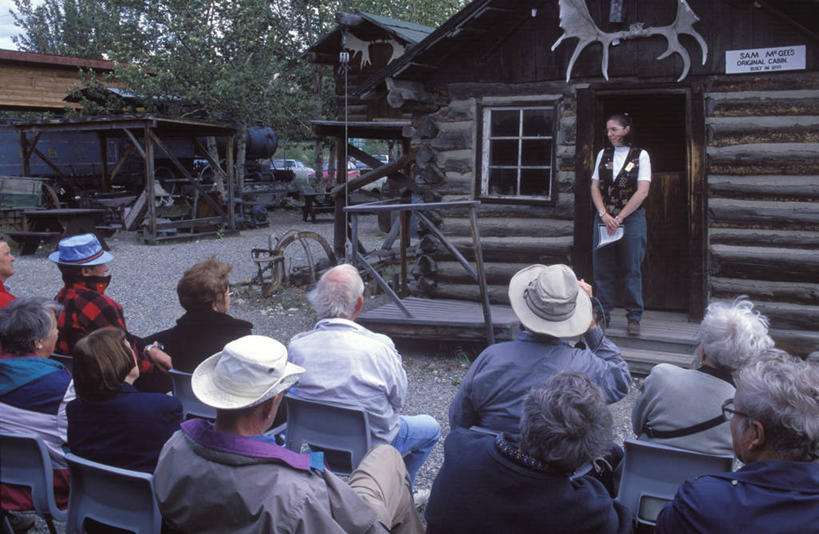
[86,310]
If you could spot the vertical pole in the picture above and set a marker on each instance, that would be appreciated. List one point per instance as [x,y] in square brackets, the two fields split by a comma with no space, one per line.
[405,243]
[149,183]
[24,157]
[479,268]
[340,221]
[231,180]
[354,238]
[104,161]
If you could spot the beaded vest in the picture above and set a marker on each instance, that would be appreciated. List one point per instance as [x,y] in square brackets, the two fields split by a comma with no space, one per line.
[617,191]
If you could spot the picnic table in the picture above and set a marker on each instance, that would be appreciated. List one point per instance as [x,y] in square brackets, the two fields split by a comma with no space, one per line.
[55,224]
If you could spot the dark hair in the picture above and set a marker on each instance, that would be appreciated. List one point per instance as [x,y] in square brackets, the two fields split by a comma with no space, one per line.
[204,284]
[565,422]
[71,273]
[625,120]
[101,363]
[25,320]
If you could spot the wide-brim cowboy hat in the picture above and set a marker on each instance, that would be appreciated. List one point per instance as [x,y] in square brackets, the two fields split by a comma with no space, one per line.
[548,300]
[247,372]
[84,250]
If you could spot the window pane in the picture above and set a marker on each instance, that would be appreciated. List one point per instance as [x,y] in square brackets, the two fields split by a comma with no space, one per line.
[503,153]
[537,122]
[536,152]
[502,181]
[534,182]
[505,123]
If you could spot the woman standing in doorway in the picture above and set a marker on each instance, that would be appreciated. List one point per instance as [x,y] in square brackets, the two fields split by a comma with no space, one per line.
[620,184]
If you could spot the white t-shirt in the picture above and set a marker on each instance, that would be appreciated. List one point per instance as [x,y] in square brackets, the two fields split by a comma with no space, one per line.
[620,153]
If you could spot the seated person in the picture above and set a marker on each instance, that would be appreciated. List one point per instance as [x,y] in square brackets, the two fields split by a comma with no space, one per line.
[110,422]
[490,484]
[348,364]
[84,269]
[553,306]
[681,407]
[206,327]
[229,477]
[33,388]
[6,270]
[774,419]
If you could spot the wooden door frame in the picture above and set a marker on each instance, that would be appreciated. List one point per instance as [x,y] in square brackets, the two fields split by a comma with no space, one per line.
[589,111]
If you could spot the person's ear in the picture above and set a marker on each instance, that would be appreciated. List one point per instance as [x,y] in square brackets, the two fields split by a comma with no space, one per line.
[758,439]
[86,271]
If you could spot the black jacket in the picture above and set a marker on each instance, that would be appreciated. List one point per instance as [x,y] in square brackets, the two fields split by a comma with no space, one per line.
[199,334]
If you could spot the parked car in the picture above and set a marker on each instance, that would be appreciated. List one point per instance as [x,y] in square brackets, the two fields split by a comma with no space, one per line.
[352,171]
[301,172]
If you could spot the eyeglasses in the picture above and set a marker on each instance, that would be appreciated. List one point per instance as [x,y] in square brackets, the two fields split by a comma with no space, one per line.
[728,412]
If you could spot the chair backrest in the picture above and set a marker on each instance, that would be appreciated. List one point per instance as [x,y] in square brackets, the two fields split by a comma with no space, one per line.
[190,404]
[24,460]
[652,473]
[116,497]
[341,432]
[64,359]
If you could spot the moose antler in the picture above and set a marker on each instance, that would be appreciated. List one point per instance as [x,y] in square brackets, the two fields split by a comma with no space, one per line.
[577,22]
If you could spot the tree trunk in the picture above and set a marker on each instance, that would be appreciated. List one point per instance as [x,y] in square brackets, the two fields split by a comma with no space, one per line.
[213,150]
[241,156]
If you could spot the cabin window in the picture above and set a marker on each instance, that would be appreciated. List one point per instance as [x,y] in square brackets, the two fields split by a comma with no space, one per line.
[517,152]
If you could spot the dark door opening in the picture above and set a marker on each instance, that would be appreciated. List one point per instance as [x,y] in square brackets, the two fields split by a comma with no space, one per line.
[660,129]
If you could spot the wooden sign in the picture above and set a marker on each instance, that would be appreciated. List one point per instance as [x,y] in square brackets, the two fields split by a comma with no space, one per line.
[765,59]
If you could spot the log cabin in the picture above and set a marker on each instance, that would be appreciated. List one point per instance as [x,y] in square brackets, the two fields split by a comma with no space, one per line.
[508,100]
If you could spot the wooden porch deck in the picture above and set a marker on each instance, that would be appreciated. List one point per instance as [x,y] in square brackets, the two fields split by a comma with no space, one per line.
[665,336]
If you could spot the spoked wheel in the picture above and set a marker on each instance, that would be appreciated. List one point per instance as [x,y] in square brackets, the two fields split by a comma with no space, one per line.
[298,258]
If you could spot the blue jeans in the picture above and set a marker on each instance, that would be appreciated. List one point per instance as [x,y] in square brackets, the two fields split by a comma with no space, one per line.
[416,438]
[621,262]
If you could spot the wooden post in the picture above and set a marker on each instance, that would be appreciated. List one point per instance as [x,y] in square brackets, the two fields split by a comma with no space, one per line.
[104,182]
[583,213]
[405,216]
[230,174]
[340,221]
[25,154]
[697,218]
[149,183]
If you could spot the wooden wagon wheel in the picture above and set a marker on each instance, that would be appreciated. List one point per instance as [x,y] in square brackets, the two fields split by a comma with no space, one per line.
[298,258]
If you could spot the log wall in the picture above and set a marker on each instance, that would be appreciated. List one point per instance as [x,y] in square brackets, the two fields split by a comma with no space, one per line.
[512,235]
[763,198]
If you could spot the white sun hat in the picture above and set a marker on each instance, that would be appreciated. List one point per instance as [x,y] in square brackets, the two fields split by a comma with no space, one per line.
[547,300]
[247,372]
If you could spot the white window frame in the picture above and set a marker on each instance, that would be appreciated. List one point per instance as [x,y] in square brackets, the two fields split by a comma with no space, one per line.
[485,152]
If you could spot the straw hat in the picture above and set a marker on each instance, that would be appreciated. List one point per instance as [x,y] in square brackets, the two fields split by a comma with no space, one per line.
[247,372]
[547,300]
[83,250]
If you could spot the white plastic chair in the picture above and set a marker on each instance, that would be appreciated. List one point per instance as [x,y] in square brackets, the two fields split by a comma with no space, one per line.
[341,432]
[24,460]
[190,404]
[652,474]
[116,497]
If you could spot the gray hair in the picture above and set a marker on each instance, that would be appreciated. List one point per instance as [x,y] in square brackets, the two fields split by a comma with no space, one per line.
[783,395]
[25,320]
[566,422]
[732,334]
[336,293]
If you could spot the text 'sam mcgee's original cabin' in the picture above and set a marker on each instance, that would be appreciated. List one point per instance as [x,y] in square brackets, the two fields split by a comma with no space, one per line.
[509,100]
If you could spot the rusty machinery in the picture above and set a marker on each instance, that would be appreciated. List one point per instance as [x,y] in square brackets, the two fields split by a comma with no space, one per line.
[295,258]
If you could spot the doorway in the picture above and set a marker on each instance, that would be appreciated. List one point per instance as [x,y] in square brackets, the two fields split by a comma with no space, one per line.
[660,129]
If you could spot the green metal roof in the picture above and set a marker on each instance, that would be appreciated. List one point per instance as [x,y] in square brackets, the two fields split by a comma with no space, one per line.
[411,32]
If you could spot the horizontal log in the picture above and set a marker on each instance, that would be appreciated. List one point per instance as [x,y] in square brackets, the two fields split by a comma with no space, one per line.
[761,152]
[544,250]
[769,238]
[765,263]
[562,209]
[797,342]
[726,131]
[453,139]
[789,316]
[455,160]
[498,294]
[761,290]
[806,186]
[498,273]
[458,110]
[724,210]
[458,183]
[503,93]
[782,81]
[509,226]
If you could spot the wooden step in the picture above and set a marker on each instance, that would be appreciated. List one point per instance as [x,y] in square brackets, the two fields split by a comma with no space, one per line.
[641,361]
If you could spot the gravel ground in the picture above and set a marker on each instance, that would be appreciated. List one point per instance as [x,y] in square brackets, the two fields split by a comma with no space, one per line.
[144,283]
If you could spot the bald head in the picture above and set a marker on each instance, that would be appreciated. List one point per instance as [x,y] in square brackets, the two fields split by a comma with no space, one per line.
[339,293]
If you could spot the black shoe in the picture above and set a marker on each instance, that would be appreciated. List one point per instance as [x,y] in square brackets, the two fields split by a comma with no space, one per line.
[633,327]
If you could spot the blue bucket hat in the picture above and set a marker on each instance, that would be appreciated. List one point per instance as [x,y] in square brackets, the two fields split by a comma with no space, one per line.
[83,250]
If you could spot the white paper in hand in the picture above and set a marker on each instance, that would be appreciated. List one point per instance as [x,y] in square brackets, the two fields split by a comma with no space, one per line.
[605,238]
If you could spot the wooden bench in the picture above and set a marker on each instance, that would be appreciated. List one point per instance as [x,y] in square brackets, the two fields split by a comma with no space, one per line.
[30,241]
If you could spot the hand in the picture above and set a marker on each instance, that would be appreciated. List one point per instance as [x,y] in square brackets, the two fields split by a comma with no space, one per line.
[159,357]
[582,284]
[611,223]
